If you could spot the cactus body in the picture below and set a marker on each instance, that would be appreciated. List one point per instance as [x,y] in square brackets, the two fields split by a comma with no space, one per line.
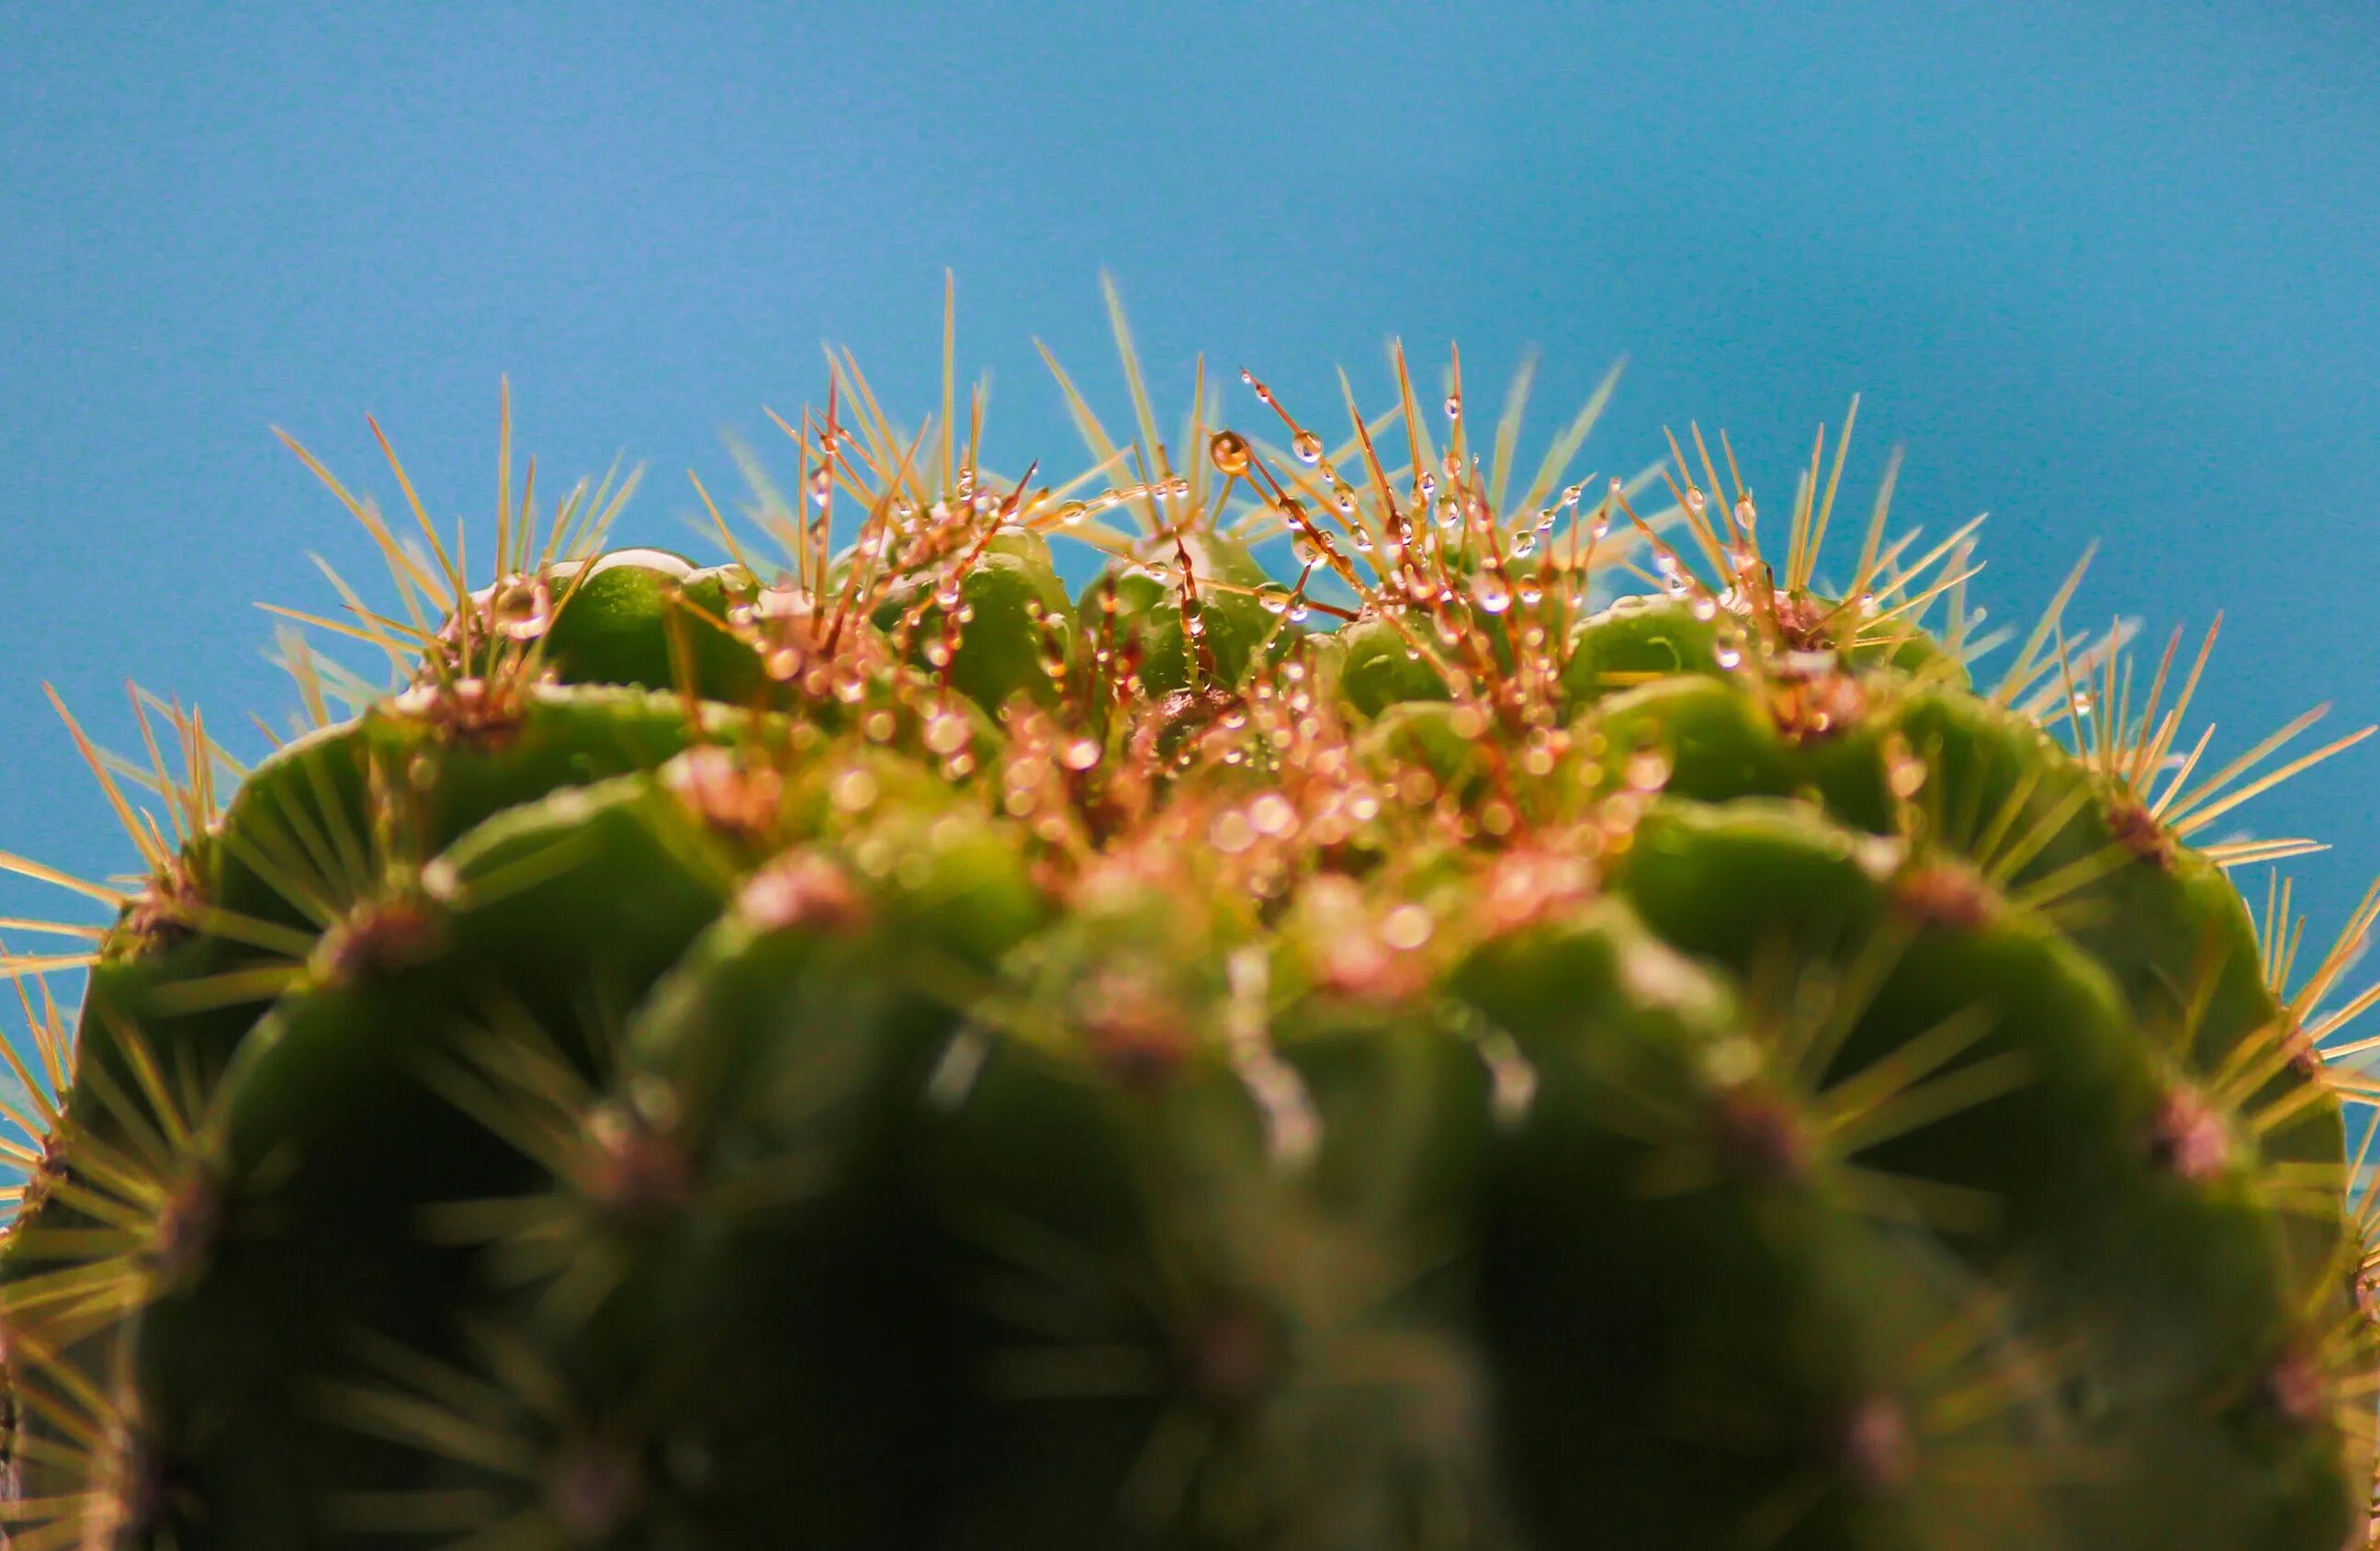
[893,1054]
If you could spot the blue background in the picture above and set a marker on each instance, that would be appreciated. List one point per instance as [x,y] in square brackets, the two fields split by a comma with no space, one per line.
[2107,270]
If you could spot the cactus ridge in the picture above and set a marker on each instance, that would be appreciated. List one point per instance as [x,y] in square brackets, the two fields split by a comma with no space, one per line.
[1417,1047]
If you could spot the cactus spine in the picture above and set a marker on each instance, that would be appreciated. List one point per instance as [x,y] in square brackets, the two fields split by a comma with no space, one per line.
[876,1049]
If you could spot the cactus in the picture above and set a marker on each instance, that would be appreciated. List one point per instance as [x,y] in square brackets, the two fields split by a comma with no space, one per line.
[883,1048]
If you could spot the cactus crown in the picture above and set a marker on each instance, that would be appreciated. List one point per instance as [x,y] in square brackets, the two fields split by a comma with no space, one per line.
[1431,1047]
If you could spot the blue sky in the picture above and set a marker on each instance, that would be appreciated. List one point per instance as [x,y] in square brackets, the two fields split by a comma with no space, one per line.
[2107,270]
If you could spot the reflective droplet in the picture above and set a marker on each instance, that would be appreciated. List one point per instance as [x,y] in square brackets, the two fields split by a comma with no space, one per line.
[1647,769]
[1524,541]
[1229,451]
[1406,927]
[1308,448]
[1490,592]
[946,732]
[1453,406]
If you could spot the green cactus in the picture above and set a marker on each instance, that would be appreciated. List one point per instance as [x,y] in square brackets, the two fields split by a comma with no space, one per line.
[883,1048]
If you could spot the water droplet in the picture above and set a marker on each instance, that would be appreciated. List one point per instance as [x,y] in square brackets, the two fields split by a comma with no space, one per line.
[1231,833]
[1308,448]
[1525,543]
[1746,518]
[853,789]
[1448,512]
[1647,769]
[1453,406]
[1491,593]
[946,732]
[1081,754]
[2082,702]
[1072,512]
[1531,593]
[1695,501]
[1406,927]
[1272,814]
[1229,451]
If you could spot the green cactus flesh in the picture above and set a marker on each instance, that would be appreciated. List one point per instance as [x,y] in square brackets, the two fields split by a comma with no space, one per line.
[897,1051]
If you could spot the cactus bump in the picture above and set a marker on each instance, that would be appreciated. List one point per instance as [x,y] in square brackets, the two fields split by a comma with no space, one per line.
[1341,994]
